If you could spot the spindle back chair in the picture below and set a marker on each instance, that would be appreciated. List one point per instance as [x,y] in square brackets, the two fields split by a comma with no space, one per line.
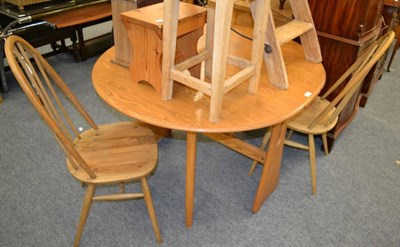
[322,115]
[113,154]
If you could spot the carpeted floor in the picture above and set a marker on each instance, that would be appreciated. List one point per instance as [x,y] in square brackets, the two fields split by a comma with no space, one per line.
[358,201]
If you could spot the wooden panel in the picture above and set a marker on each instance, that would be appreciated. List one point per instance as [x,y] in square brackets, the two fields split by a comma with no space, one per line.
[372,16]
[190,17]
[346,18]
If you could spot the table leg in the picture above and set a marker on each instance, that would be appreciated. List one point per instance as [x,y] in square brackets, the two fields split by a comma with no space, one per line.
[81,42]
[191,141]
[271,169]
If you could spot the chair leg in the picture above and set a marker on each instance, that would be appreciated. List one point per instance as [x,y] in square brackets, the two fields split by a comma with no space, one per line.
[150,208]
[87,202]
[289,135]
[263,146]
[121,187]
[311,152]
[325,142]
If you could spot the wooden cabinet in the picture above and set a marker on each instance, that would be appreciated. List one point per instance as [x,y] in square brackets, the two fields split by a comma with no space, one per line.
[390,12]
[345,28]
[391,15]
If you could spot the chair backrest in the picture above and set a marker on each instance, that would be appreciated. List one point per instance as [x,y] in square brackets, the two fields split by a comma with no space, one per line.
[49,94]
[357,73]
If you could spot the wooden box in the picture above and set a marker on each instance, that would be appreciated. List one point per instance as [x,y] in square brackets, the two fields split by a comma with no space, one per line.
[145,27]
[121,41]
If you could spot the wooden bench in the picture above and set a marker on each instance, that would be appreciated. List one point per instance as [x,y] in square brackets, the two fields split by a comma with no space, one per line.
[81,18]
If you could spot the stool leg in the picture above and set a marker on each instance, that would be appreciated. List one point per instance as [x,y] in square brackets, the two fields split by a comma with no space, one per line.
[262,10]
[209,38]
[222,27]
[171,11]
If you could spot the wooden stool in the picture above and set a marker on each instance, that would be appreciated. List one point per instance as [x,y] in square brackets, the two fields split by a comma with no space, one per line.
[145,32]
[215,54]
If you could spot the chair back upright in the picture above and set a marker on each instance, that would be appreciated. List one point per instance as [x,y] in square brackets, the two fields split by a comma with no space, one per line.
[49,94]
[357,73]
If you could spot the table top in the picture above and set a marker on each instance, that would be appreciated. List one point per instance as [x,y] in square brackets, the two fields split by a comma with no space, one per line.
[188,110]
[80,15]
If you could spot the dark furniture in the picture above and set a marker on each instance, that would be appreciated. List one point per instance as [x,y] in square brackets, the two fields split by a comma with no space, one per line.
[54,21]
[345,29]
[391,15]
[40,33]
[61,16]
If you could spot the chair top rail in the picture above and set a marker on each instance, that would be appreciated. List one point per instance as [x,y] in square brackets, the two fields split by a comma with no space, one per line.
[358,72]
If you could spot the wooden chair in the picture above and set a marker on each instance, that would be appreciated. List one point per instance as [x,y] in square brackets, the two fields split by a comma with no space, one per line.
[322,115]
[113,154]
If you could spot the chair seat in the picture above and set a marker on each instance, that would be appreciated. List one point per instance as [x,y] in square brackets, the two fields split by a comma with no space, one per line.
[117,152]
[302,121]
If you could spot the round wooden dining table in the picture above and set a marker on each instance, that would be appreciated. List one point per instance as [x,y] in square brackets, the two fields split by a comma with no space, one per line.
[188,110]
